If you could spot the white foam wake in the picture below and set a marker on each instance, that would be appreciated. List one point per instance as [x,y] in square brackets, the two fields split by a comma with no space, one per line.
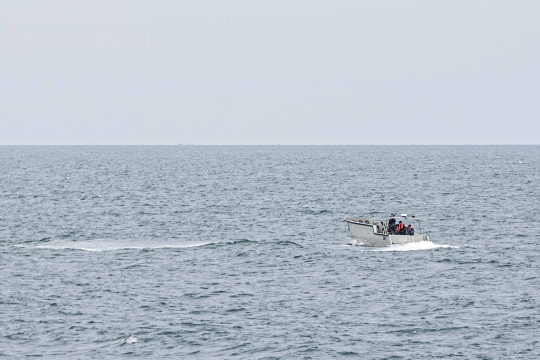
[422,245]
[110,245]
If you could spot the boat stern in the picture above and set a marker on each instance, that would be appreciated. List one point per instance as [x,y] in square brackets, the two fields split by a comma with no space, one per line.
[364,232]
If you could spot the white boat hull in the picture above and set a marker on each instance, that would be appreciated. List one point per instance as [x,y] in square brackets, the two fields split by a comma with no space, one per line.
[367,235]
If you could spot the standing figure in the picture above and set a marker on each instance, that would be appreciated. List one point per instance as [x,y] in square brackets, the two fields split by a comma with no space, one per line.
[392,224]
[400,228]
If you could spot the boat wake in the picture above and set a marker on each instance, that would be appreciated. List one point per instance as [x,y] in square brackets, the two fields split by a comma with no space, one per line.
[109,245]
[423,245]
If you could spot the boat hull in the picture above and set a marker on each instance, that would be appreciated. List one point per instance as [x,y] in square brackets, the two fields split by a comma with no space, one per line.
[367,235]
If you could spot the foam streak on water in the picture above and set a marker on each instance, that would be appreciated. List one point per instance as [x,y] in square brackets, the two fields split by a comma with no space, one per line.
[241,252]
[424,245]
[109,245]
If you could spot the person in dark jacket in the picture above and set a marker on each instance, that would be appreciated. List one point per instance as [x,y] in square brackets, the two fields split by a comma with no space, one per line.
[410,230]
[392,224]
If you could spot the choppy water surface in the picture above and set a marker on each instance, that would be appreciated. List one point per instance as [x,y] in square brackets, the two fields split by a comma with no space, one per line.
[241,252]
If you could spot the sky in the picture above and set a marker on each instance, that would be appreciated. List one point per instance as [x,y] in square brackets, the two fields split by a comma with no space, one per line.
[166,72]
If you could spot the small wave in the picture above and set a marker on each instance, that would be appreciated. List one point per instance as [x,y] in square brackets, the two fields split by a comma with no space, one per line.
[238,242]
[316,212]
[109,245]
[131,340]
[423,245]
[288,242]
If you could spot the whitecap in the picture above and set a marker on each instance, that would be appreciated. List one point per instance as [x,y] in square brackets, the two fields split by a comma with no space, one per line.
[132,339]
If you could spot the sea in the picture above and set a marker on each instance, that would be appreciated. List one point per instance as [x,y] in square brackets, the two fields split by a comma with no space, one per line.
[243,252]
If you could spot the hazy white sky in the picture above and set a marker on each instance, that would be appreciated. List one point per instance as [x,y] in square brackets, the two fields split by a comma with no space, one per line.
[269,72]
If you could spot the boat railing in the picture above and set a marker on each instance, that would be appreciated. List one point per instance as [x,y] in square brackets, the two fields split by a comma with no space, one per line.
[385,228]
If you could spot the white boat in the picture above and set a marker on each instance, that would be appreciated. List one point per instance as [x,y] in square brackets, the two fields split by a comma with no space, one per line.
[369,232]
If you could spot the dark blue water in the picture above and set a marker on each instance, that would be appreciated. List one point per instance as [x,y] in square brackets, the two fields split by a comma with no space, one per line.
[241,252]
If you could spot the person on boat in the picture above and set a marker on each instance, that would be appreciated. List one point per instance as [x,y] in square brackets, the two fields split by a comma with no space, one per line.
[400,228]
[410,230]
[392,224]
